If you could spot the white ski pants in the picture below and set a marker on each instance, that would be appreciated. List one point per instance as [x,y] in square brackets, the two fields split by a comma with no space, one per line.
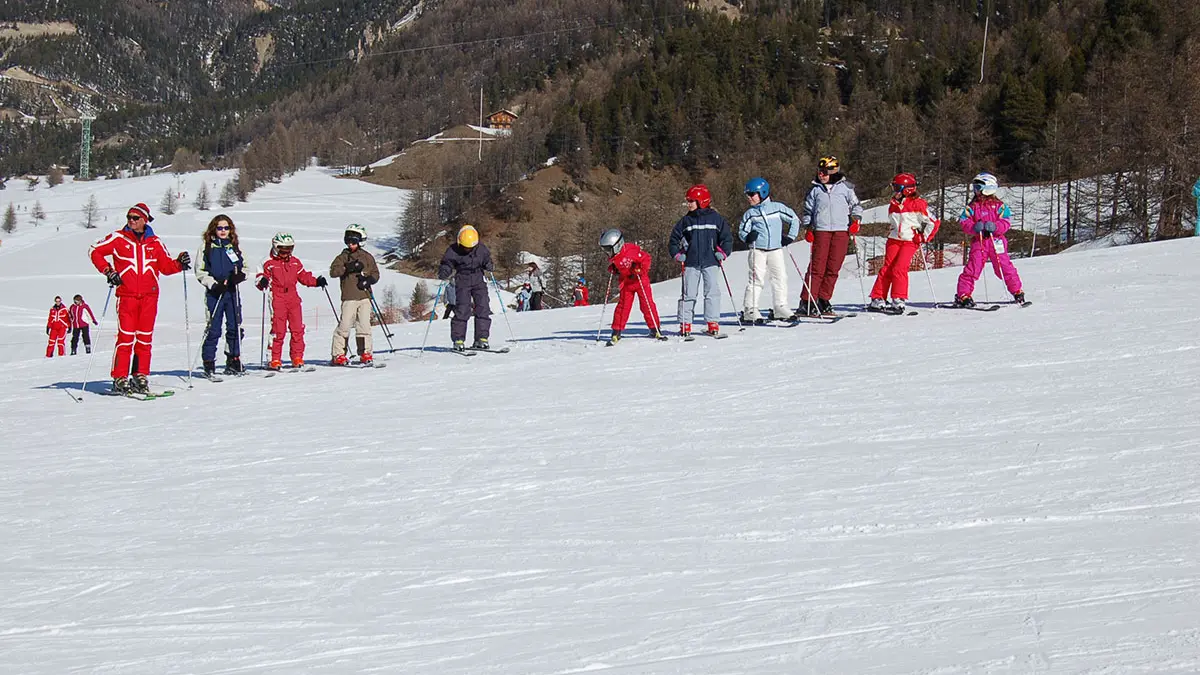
[764,266]
[691,288]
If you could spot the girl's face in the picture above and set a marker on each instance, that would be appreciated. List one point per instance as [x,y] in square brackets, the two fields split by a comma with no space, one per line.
[58,301]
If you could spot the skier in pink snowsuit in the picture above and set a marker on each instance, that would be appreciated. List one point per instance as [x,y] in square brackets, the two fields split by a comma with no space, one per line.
[985,221]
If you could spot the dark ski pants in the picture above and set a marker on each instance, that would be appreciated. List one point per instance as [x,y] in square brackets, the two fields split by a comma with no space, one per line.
[223,309]
[85,331]
[471,299]
[535,301]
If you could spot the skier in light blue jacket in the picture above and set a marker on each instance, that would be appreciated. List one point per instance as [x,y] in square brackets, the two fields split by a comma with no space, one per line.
[766,227]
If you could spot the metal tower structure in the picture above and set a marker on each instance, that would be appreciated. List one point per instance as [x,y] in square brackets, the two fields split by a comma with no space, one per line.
[85,146]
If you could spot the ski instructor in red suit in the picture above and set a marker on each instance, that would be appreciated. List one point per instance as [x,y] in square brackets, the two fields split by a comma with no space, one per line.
[131,259]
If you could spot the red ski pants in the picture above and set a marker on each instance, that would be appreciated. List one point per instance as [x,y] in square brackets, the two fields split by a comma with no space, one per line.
[58,338]
[639,287]
[893,276]
[135,332]
[828,254]
[287,316]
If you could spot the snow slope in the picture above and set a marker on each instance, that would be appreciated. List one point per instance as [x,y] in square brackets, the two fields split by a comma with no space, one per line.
[956,492]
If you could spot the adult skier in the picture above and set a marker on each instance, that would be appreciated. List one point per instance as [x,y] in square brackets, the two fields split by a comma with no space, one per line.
[581,293]
[537,286]
[357,270]
[911,225]
[79,325]
[280,273]
[985,220]
[220,267]
[766,227]
[131,259]
[831,214]
[632,266]
[700,240]
[56,328]
[466,261]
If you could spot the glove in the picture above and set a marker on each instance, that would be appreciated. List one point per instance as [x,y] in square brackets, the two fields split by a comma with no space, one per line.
[917,238]
[184,260]
[114,279]
[321,282]
[353,266]
[808,236]
[720,255]
[364,283]
[95,323]
[262,283]
[218,288]
[752,237]
[681,256]
[236,278]
[985,226]
[635,268]
[854,226]
[47,330]
[787,241]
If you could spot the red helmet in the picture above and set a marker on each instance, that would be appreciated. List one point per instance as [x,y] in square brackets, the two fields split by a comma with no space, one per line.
[700,195]
[905,183]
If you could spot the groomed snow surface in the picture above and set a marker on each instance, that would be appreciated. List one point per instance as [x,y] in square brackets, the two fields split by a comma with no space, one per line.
[956,492]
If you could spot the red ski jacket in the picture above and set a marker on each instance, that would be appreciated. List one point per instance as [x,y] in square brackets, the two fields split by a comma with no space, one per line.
[581,296]
[59,316]
[284,273]
[630,262]
[139,260]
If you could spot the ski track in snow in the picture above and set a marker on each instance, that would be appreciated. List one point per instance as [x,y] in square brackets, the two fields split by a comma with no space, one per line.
[958,492]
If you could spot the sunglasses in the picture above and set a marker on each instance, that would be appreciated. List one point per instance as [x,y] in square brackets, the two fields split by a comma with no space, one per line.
[751,194]
[829,170]
[133,218]
[223,227]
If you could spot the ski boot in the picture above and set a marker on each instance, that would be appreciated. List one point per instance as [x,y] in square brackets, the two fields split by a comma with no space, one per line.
[87,349]
[1019,296]
[139,385]
[897,306]
[340,360]
[877,305]
[72,351]
[367,359]
[614,338]
[964,301]
[275,365]
[685,330]
[460,346]
[480,343]
[714,329]
[657,335]
[210,368]
[120,385]
[808,308]
[826,308]
[233,365]
[297,363]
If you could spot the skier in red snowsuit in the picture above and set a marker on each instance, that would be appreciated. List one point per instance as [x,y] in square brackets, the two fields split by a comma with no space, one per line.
[632,265]
[131,259]
[56,327]
[581,293]
[281,273]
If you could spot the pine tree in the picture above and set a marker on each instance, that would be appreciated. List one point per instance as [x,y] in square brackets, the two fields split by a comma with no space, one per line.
[416,303]
[169,202]
[10,219]
[228,194]
[203,201]
[91,212]
[38,213]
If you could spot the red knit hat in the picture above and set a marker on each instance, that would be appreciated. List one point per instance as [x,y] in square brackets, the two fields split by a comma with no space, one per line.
[140,210]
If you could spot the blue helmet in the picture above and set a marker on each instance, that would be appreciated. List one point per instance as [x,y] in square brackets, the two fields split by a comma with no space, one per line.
[758,186]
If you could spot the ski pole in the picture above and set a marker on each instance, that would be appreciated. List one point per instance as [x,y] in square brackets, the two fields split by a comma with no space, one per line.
[237,328]
[647,300]
[331,306]
[928,277]
[729,289]
[92,359]
[187,328]
[503,309]
[199,352]
[432,314]
[387,334]
[860,262]
[603,306]
[812,299]
[262,338]
[987,257]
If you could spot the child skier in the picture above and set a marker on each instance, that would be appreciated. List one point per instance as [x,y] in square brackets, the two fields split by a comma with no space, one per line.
[581,293]
[985,220]
[56,328]
[911,225]
[632,265]
[699,242]
[762,228]
[358,271]
[280,273]
[79,325]
[220,267]
[523,296]
[467,260]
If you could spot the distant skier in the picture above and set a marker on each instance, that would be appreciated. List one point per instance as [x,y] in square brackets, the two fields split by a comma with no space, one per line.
[357,270]
[131,259]
[451,294]
[466,260]
[280,273]
[911,225]
[700,240]
[581,293]
[523,298]
[79,325]
[985,220]
[632,265]
[537,286]
[832,210]
[56,328]
[220,267]
[766,227]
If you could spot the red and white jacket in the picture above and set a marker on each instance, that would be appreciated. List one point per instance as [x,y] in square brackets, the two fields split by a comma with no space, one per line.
[910,216]
[76,312]
[59,318]
[139,260]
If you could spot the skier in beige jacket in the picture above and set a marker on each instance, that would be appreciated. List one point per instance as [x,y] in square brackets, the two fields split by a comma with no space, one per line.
[357,270]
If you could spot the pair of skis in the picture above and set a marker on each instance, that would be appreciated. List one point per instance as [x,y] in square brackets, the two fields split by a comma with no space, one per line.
[472,352]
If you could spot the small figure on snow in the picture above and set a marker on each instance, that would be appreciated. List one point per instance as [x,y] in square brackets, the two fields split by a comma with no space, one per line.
[220,267]
[280,273]
[986,219]
[762,228]
[357,270]
[581,293]
[632,265]
[467,260]
[79,325]
[56,328]
[832,210]
[911,225]
[700,241]
[523,296]
[537,287]
[131,259]
[451,294]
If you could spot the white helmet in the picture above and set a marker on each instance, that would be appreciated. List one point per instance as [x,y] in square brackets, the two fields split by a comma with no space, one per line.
[985,183]
[282,239]
[355,231]
[612,241]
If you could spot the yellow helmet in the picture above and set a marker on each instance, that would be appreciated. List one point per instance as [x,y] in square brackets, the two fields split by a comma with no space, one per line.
[829,163]
[468,236]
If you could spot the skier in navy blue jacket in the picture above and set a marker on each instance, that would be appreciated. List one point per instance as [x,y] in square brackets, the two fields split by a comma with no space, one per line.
[220,268]
[700,241]
[467,260]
